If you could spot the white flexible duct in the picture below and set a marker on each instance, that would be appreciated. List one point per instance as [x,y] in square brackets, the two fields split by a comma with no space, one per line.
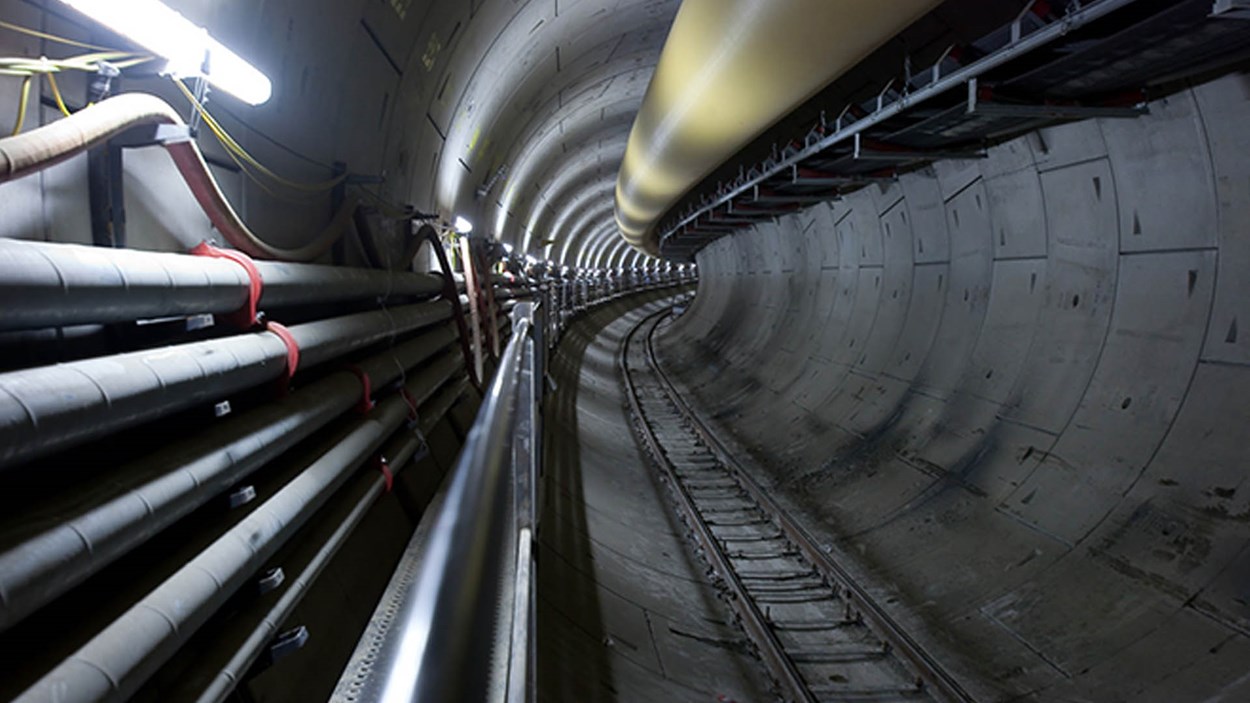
[51,144]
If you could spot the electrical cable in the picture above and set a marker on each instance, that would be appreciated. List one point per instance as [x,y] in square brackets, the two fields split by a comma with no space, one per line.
[236,150]
[51,37]
[28,68]
[21,106]
[56,94]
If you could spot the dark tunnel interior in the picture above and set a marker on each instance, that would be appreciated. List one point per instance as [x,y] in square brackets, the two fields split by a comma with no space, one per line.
[624,350]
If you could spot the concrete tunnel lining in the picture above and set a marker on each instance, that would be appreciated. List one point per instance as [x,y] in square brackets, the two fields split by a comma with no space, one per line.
[1007,390]
[1009,393]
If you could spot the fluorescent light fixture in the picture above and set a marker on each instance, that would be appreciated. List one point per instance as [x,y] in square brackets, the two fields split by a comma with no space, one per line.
[166,33]
[462,225]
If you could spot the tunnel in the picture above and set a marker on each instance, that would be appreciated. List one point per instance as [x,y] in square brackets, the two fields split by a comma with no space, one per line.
[624,350]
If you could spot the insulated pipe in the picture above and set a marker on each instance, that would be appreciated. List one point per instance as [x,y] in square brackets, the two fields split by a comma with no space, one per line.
[114,663]
[213,679]
[728,71]
[72,537]
[53,285]
[55,407]
[51,144]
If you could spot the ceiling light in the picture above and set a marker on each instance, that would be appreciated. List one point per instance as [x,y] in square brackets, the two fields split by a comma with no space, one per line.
[188,49]
[462,225]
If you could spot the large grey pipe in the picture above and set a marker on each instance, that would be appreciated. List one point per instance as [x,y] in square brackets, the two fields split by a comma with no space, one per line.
[215,674]
[114,663]
[52,285]
[56,407]
[74,536]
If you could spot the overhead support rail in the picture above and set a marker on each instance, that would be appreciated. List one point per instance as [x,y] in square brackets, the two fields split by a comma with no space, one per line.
[1041,69]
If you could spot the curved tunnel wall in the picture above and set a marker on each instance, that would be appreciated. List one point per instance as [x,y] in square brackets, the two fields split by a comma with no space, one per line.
[485,109]
[1013,392]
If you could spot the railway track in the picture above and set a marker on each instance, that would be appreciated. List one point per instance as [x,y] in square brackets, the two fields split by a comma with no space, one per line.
[820,636]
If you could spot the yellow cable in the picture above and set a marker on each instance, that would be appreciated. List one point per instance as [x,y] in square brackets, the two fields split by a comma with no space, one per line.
[238,151]
[56,93]
[246,169]
[21,106]
[52,37]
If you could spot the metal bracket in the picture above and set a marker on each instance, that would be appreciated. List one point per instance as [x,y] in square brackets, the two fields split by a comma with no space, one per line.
[900,156]
[241,496]
[977,106]
[153,135]
[1231,9]
[286,644]
[269,580]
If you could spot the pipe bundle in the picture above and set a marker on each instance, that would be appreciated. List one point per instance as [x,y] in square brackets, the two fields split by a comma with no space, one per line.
[204,455]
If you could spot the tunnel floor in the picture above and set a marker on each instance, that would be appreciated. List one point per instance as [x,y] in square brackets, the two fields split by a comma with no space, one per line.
[626,610]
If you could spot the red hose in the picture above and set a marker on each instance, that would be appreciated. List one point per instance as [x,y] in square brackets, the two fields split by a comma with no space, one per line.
[51,144]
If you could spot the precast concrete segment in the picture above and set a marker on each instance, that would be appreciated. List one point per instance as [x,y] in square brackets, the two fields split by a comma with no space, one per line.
[514,71]
[1011,393]
[626,612]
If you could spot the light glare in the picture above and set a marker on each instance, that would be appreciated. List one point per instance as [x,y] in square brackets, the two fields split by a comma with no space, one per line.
[462,225]
[166,33]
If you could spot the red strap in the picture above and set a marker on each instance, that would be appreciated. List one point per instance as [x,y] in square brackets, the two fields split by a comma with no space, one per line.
[292,348]
[365,404]
[385,467]
[244,317]
[411,402]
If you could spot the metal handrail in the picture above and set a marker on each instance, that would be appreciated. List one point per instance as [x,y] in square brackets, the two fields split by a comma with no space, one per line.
[458,620]
[465,629]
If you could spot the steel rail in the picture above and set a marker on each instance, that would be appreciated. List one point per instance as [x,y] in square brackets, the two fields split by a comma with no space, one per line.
[930,671]
[753,621]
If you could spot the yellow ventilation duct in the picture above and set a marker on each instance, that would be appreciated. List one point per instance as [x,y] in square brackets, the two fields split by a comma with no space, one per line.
[729,70]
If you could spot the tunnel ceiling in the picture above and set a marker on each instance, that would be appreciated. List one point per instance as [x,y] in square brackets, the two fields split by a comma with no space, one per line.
[511,113]
[531,117]
[516,113]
